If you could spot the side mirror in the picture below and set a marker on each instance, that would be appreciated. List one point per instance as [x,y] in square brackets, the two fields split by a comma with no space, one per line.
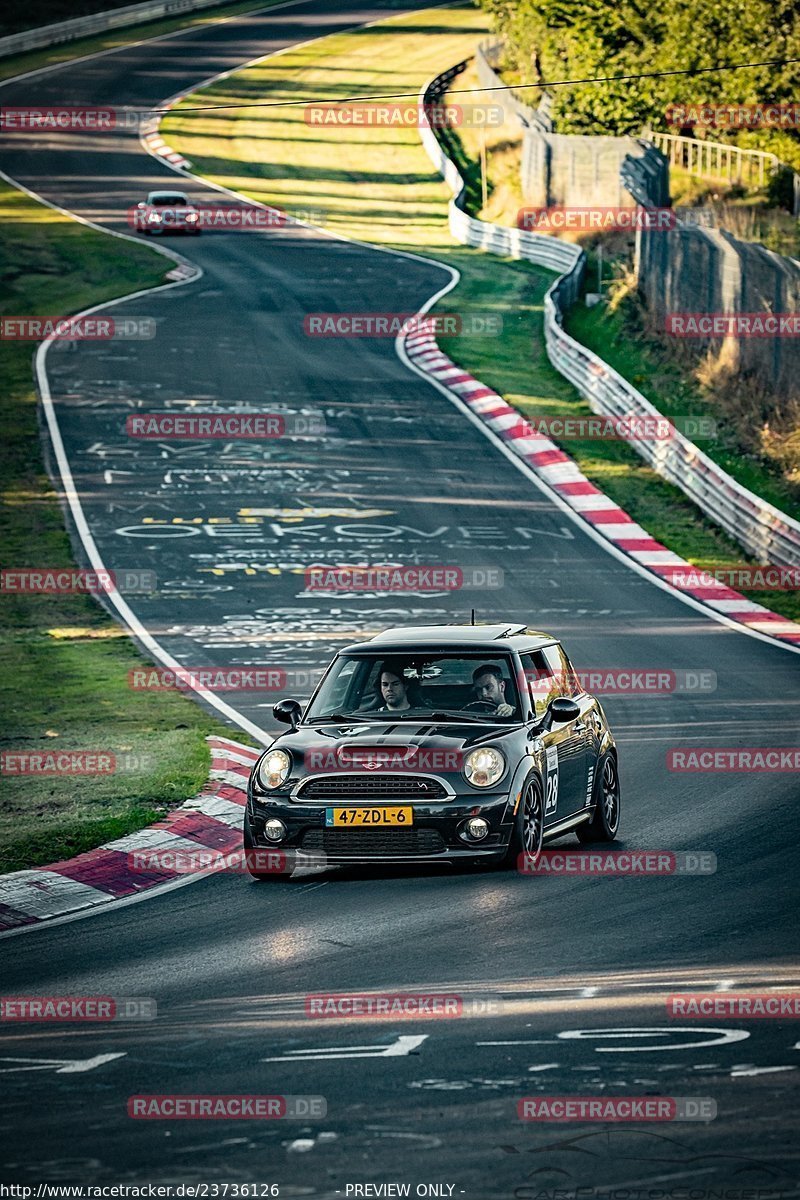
[289,712]
[562,710]
[141,204]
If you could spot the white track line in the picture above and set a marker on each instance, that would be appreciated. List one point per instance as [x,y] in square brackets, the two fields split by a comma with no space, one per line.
[455,277]
[126,614]
[159,37]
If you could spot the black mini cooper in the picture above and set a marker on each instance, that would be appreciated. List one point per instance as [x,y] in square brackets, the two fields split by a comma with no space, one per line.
[436,743]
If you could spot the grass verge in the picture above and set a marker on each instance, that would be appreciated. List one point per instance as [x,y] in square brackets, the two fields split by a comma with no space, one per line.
[64,662]
[616,333]
[377,184]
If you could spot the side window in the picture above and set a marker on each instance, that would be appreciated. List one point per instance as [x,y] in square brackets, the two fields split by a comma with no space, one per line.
[564,672]
[542,678]
[571,681]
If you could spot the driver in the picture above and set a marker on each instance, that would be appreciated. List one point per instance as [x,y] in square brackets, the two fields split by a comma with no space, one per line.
[490,687]
[393,688]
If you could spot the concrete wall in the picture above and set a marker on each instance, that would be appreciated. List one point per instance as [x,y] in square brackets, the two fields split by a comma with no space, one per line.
[705,270]
[578,170]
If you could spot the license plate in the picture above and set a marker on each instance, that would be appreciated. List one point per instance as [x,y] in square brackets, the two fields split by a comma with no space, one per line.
[369,816]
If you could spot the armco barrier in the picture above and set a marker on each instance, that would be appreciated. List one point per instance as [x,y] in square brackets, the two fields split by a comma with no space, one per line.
[765,532]
[117,18]
[486,57]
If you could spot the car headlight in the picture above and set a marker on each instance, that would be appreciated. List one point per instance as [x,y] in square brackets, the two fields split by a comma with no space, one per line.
[154,217]
[484,767]
[191,216]
[273,769]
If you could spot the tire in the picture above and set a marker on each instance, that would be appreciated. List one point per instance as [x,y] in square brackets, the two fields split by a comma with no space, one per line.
[604,824]
[529,823]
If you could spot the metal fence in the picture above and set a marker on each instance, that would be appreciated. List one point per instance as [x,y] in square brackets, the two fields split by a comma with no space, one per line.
[718,160]
[765,532]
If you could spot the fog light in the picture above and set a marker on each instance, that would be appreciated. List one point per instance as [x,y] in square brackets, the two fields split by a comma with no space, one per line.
[274,830]
[476,829]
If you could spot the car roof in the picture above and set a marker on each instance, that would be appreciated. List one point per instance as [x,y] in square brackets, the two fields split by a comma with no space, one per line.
[162,194]
[488,638]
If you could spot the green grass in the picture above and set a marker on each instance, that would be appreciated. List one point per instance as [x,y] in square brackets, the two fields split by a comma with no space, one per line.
[617,336]
[63,662]
[34,59]
[377,184]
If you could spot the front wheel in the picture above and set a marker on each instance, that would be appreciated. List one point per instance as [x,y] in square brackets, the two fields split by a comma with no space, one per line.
[528,825]
[604,824]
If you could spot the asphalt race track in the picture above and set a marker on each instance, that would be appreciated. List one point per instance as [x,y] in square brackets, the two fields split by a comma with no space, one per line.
[398,472]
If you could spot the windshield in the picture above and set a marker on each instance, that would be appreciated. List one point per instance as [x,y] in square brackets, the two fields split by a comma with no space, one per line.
[162,200]
[414,686]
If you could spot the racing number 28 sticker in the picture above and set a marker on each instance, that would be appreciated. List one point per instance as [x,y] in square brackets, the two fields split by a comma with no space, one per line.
[551,784]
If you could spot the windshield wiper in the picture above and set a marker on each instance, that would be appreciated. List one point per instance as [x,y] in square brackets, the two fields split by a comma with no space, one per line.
[338,718]
[455,716]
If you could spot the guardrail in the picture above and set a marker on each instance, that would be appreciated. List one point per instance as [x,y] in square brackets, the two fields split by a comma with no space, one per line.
[115,18]
[718,160]
[486,57]
[500,239]
[765,532]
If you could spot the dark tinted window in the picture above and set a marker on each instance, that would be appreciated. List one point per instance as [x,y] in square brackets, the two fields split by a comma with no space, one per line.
[165,200]
[430,682]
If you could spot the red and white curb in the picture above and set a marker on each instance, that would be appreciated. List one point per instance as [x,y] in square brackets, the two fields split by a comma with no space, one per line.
[211,821]
[564,477]
[154,142]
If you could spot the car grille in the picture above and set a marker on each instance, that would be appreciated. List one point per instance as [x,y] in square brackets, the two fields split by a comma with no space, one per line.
[342,787]
[372,842]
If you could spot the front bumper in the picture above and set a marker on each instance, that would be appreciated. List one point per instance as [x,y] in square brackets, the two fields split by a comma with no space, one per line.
[433,837]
